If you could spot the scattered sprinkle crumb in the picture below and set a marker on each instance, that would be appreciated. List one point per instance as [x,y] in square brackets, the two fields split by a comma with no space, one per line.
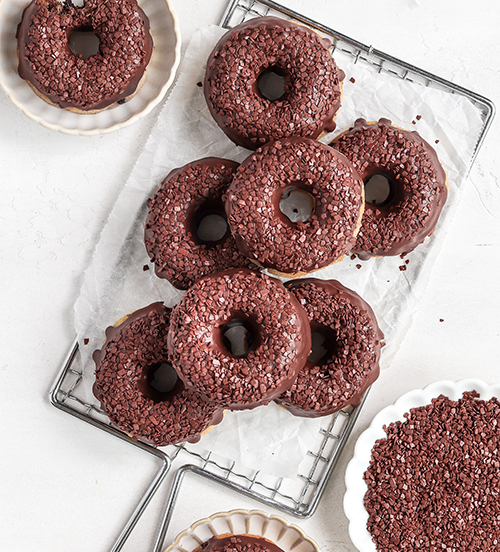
[403,255]
[418,117]
[402,268]
[353,256]
[414,122]
[407,261]
[441,319]
[358,266]
[352,79]
[145,267]
[436,141]
[388,281]
[199,84]
[86,341]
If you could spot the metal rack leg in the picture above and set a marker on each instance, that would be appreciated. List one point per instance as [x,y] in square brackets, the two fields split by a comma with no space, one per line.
[55,392]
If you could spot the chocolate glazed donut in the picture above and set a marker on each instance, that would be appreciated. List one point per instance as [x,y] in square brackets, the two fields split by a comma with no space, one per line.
[295,165]
[62,78]
[175,240]
[126,367]
[238,543]
[308,82]
[344,360]
[271,322]
[417,186]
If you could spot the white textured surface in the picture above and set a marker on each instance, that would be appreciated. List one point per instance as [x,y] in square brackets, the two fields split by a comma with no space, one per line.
[64,484]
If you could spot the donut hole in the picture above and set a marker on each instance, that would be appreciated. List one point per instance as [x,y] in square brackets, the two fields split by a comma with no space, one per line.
[272,83]
[208,224]
[380,190]
[239,336]
[324,344]
[297,203]
[159,382]
[84,42]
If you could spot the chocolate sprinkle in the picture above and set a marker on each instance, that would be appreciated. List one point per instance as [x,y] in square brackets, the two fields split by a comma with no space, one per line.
[419,181]
[342,377]
[434,480]
[312,82]
[264,234]
[280,334]
[68,80]
[170,234]
[130,348]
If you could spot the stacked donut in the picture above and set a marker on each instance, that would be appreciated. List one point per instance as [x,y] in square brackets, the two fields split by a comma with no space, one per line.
[239,339]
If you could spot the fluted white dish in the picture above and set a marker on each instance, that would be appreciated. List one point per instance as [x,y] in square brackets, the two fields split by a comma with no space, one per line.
[356,487]
[160,75]
[244,522]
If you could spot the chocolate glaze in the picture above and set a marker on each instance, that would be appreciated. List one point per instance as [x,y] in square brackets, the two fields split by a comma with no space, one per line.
[170,233]
[238,543]
[261,230]
[342,377]
[67,80]
[130,350]
[312,88]
[280,329]
[419,180]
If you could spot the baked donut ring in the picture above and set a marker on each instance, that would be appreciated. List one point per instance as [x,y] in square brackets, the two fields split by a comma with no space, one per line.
[64,79]
[272,48]
[270,319]
[268,236]
[187,197]
[345,331]
[238,543]
[417,186]
[125,370]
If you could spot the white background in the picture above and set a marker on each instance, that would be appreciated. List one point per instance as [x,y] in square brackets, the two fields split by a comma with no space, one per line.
[65,485]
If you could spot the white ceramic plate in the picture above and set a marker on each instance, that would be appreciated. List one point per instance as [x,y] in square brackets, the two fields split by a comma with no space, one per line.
[159,77]
[356,487]
[242,522]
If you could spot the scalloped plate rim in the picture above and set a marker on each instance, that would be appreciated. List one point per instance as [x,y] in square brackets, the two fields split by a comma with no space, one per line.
[208,521]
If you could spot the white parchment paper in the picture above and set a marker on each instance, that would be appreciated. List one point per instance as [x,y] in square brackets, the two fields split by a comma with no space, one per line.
[269,438]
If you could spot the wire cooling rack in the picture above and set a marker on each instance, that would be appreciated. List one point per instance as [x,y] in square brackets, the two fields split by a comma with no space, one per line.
[239,11]
[300,497]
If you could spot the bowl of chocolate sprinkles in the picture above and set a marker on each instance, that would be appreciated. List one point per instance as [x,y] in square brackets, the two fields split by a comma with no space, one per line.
[273,533]
[425,475]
